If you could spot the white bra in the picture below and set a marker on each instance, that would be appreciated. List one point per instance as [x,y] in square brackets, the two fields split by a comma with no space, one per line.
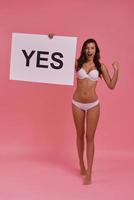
[92,75]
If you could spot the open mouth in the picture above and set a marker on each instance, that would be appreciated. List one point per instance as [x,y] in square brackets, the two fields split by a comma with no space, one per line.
[89,54]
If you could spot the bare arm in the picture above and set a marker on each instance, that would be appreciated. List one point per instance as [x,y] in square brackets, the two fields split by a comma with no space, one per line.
[76,64]
[110,81]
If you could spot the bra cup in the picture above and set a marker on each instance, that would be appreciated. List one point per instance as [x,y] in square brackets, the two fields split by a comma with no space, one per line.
[92,75]
[82,74]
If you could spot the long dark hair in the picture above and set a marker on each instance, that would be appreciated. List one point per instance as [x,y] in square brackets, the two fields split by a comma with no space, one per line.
[82,59]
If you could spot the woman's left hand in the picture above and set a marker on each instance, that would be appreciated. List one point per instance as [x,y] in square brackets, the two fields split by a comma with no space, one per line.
[115,65]
[51,35]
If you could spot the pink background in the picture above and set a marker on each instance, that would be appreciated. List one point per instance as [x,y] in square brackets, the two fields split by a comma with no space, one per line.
[36,119]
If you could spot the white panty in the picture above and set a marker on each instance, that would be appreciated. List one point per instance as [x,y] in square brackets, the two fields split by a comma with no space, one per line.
[85,106]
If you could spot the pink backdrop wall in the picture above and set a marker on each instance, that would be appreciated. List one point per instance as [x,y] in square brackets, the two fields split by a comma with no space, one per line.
[35,118]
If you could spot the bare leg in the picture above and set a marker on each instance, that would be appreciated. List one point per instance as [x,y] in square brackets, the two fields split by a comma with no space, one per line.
[92,118]
[79,118]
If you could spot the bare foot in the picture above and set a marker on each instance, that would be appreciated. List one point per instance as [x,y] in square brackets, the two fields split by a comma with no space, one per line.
[87,179]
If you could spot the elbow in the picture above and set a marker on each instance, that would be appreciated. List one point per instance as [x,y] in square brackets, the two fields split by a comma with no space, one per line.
[111,84]
[111,87]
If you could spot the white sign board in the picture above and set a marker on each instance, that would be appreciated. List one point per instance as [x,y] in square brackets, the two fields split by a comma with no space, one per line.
[38,58]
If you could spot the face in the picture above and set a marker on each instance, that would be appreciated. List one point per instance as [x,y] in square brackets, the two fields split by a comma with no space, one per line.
[90,50]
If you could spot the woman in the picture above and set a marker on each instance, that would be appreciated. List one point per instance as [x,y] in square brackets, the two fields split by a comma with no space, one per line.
[85,103]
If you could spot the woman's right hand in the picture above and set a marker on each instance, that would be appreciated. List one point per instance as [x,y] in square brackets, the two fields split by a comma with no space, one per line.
[115,65]
[51,35]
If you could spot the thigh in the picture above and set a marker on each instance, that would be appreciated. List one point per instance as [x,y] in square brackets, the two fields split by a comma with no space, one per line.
[79,119]
[92,118]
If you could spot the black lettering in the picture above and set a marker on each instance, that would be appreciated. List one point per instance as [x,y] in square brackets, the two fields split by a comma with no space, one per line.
[27,57]
[39,58]
[57,60]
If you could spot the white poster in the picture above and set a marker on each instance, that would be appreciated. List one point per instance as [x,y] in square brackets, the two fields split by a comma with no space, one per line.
[38,58]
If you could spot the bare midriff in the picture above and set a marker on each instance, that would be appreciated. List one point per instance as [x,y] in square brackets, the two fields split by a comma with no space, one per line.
[85,91]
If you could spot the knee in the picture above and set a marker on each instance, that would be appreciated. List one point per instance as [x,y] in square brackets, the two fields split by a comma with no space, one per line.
[89,138]
[80,136]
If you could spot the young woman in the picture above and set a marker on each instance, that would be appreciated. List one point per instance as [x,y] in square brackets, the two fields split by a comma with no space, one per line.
[85,102]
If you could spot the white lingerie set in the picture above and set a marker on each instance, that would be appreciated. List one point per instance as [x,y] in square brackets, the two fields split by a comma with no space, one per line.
[93,75]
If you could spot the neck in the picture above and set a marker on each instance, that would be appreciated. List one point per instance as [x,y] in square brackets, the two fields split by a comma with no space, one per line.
[90,60]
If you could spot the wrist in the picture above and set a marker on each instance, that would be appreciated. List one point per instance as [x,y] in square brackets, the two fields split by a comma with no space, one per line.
[116,70]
